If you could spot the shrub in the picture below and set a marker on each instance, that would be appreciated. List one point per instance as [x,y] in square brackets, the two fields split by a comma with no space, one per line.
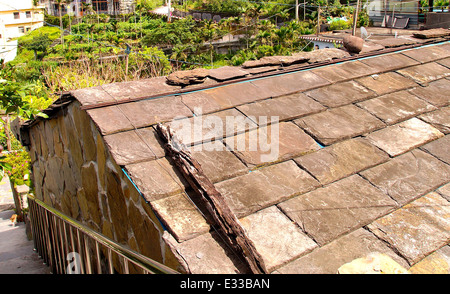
[340,24]
[20,167]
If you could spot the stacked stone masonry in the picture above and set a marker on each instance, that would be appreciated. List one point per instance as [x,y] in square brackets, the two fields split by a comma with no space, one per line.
[363,160]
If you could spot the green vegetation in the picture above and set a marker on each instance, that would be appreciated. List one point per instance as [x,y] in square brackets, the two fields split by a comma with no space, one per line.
[99,49]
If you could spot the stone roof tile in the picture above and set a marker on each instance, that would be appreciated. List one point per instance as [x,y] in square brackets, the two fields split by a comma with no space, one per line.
[404,136]
[110,119]
[425,73]
[130,147]
[285,108]
[265,187]
[389,62]
[395,107]
[440,119]
[439,148]
[338,124]
[347,71]
[409,175]
[271,143]
[227,72]
[340,94]
[427,54]
[386,83]
[327,259]
[341,160]
[416,229]
[435,92]
[276,237]
[289,83]
[326,213]
[149,112]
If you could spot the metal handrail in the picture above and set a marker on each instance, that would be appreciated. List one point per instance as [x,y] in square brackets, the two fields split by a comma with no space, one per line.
[54,238]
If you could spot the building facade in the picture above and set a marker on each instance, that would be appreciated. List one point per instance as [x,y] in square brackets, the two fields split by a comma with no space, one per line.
[78,7]
[16,19]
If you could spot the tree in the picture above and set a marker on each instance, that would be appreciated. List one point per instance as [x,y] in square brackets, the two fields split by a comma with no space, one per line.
[17,98]
[39,43]
[60,5]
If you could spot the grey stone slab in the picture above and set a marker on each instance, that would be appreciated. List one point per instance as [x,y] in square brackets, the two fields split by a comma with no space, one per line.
[156,179]
[439,148]
[205,254]
[212,126]
[341,160]
[227,72]
[110,120]
[276,237]
[394,42]
[440,119]
[276,142]
[394,107]
[285,108]
[235,94]
[92,96]
[201,103]
[435,92]
[436,263]
[139,89]
[409,176]
[404,136]
[130,147]
[217,162]
[329,212]
[181,216]
[445,62]
[427,54]
[289,83]
[149,112]
[265,187]
[445,191]
[327,259]
[386,83]
[389,62]
[345,71]
[338,124]
[340,94]
[417,229]
[425,73]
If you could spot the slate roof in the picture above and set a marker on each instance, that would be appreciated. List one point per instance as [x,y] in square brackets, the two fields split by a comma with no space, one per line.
[363,161]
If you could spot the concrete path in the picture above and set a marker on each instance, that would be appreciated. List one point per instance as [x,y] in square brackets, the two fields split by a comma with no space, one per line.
[16,251]
[6,198]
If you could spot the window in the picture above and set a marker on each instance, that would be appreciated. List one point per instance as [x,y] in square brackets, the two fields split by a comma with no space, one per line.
[28,14]
[21,30]
[16,15]
[28,29]
[100,5]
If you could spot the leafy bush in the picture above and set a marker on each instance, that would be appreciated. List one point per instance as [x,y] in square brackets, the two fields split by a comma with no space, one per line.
[19,163]
[264,50]
[340,25]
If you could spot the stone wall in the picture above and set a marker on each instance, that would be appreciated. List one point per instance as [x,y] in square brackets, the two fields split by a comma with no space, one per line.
[74,172]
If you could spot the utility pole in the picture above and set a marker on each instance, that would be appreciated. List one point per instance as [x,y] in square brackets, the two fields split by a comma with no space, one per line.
[304,10]
[318,20]
[355,18]
[127,52]
[169,16]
